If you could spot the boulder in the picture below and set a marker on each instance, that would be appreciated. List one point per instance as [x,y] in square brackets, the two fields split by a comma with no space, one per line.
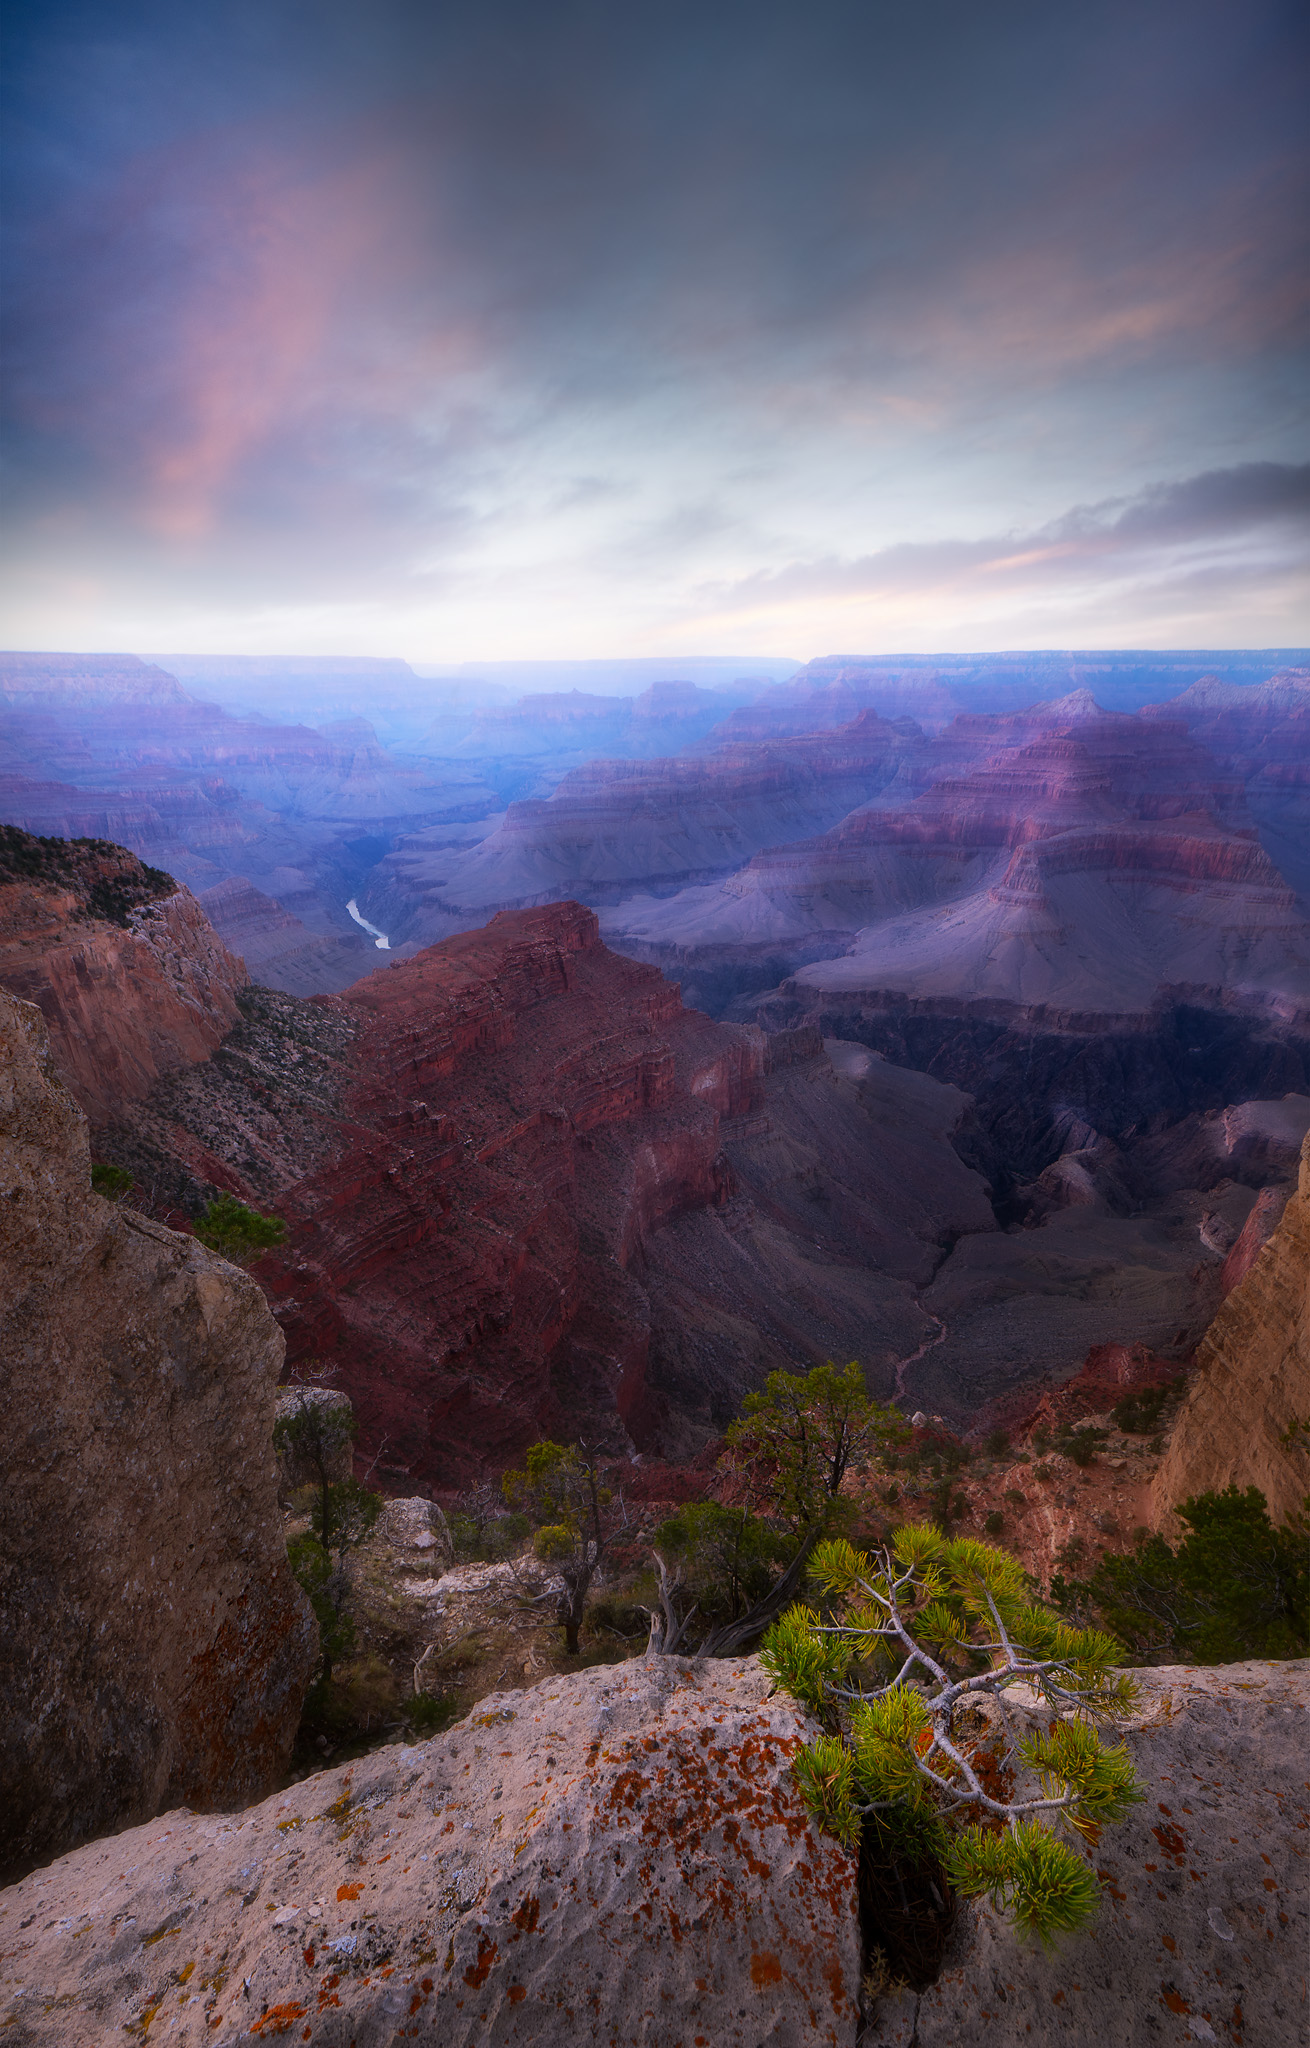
[154,1647]
[419,1534]
[1204,1913]
[617,1857]
[294,1468]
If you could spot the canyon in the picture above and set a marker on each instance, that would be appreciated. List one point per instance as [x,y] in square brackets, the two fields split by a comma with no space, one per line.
[528,1189]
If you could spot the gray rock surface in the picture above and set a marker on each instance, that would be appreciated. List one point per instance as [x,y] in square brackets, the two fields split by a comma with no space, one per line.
[618,1857]
[1205,1916]
[154,1647]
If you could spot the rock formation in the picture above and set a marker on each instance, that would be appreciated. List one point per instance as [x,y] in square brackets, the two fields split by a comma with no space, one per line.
[280,951]
[621,1856]
[1260,734]
[109,746]
[122,963]
[616,828]
[1244,1420]
[529,1191]
[1203,1923]
[618,1857]
[155,1647]
[1087,865]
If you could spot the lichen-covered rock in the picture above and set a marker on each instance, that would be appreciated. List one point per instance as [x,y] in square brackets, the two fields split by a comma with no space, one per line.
[154,1647]
[619,1857]
[1252,1383]
[1205,1905]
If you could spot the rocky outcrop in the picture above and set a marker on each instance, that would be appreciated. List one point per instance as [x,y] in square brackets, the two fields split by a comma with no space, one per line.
[124,966]
[1243,1421]
[155,1647]
[619,1857]
[1203,1924]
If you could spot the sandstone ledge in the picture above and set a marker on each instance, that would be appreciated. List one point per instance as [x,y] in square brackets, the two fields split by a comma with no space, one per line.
[620,1857]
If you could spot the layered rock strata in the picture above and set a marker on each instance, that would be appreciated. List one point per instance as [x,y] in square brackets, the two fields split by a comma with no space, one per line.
[124,966]
[615,828]
[155,1648]
[617,1857]
[1083,867]
[530,1192]
[1244,1420]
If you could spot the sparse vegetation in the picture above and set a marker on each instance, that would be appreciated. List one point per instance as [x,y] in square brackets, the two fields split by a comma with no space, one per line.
[115,1183]
[565,1498]
[236,1232]
[1235,1587]
[796,1442]
[108,881]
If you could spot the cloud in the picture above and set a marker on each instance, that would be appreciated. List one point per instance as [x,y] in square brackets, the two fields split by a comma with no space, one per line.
[593,320]
[1174,550]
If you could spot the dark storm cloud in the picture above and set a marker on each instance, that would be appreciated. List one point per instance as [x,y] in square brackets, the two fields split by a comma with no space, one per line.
[299,291]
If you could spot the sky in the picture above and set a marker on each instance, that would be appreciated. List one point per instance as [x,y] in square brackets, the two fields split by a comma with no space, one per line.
[553,328]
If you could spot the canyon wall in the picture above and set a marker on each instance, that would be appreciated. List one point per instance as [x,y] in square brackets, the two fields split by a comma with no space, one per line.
[1246,1419]
[1063,860]
[529,1192]
[155,1647]
[615,828]
[124,966]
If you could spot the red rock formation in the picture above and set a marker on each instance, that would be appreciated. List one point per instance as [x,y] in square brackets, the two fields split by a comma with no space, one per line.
[1254,1235]
[524,1109]
[124,966]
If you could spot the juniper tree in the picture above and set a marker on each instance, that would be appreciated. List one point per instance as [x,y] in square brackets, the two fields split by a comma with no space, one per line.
[923,1629]
[563,1494]
[341,1513]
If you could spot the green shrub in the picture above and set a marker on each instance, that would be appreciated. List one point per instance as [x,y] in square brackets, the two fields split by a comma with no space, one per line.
[113,1182]
[235,1232]
[1236,1587]
[996,1443]
[1139,1411]
[994,1522]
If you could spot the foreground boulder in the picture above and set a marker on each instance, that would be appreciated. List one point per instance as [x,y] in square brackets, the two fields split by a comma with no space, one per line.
[154,1647]
[1205,1908]
[619,1857]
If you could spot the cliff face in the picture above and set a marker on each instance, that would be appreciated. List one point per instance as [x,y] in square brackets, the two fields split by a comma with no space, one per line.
[1252,1382]
[523,1110]
[156,1649]
[124,966]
